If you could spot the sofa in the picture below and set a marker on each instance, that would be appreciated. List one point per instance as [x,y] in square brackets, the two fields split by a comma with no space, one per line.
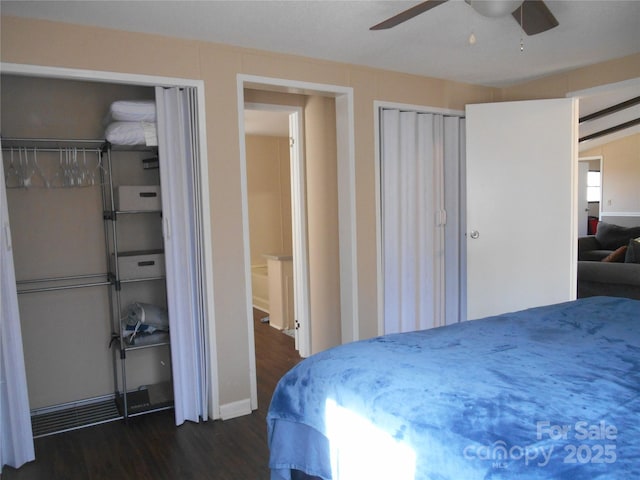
[607,239]
[609,262]
[609,279]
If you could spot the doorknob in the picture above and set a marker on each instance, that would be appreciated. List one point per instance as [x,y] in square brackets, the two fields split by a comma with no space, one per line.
[474,234]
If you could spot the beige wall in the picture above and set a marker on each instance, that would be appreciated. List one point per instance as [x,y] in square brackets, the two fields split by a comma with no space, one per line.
[269,196]
[62,45]
[322,207]
[274,98]
[620,174]
[621,158]
[557,86]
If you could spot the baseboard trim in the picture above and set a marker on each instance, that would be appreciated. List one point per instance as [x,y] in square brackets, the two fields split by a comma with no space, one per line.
[235,409]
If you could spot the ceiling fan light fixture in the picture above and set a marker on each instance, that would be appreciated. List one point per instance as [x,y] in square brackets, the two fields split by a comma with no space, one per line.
[495,8]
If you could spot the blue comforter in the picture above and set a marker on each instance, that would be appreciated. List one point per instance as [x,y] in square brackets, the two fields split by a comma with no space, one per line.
[549,392]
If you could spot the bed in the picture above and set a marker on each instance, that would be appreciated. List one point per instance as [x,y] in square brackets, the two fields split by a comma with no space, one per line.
[549,392]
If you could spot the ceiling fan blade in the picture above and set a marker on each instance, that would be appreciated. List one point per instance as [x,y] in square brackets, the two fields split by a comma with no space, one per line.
[536,17]
[407,14]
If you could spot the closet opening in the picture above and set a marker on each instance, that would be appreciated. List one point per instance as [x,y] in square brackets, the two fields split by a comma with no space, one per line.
[64,196]
[420,170]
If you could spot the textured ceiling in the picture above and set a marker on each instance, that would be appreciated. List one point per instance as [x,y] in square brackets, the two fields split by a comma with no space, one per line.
[433,44]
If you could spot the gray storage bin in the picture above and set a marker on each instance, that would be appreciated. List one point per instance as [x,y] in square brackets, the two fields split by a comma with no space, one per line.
[138,198]
[140,264]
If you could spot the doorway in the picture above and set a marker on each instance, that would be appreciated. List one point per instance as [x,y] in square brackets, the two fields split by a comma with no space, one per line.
[277,217]
[341,278]
[589,194]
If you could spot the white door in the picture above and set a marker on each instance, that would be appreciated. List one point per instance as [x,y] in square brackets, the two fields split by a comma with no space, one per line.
[301,304]
[183,233]
[521,205]
[583,203]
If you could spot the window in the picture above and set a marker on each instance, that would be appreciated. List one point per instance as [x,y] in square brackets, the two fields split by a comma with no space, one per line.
[593,186]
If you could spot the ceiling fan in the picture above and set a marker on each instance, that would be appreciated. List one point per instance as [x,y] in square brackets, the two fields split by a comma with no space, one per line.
[532,15]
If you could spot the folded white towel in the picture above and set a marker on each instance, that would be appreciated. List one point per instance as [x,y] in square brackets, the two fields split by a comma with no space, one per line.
[150,134]
[133,111]
[132,133]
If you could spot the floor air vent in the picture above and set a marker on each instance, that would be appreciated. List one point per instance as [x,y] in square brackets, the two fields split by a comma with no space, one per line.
[74,417]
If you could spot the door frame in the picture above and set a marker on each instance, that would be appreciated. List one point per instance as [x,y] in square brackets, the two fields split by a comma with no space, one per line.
[298,220]
[158,81]
[582,202]
[345,140]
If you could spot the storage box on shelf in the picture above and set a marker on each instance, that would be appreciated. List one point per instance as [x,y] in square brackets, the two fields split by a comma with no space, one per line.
[138,198]
[139,265]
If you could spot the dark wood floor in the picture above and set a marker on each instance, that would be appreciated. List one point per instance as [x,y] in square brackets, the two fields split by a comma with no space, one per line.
[152,447]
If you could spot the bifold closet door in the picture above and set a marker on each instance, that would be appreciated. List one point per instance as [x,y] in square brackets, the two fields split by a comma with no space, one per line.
[420,166]
[16,437]
[178,156]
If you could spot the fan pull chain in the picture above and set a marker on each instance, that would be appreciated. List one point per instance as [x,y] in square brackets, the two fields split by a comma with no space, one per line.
[521,28]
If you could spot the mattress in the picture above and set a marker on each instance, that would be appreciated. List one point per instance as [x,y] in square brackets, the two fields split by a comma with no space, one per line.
[549,392]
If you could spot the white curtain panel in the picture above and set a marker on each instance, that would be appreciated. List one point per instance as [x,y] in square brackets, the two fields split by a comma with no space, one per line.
[16,437]
[178,156]
[420,156]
